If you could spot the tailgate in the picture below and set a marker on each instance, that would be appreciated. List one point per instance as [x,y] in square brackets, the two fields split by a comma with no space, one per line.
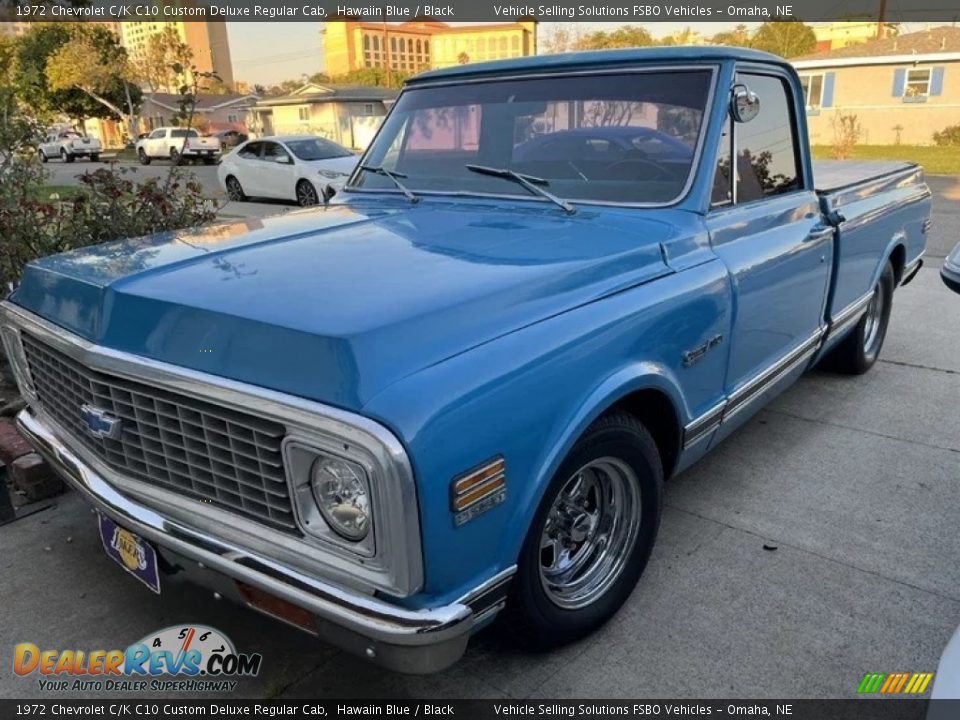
[880,209]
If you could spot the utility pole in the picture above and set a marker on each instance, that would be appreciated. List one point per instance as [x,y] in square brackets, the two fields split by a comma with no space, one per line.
[880,18]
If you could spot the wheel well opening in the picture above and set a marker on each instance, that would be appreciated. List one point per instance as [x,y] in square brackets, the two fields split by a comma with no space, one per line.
[655,410]
[898,258]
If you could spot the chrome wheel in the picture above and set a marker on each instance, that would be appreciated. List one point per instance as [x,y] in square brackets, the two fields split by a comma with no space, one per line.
[307,194]
[590,530]
[874,320]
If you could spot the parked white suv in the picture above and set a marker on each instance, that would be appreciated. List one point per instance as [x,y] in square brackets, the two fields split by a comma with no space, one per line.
[69,145]
[177,145]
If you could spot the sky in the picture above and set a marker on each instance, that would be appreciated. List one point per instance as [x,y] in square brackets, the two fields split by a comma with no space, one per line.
[269,52]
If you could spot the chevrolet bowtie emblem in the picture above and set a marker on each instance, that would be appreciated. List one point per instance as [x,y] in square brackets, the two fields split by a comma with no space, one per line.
[99,423]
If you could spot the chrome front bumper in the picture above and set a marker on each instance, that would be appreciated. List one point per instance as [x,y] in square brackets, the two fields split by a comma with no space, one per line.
[413,641]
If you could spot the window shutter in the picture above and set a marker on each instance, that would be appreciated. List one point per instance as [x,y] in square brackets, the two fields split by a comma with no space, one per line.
[828,80]
[936,81]
[899,80]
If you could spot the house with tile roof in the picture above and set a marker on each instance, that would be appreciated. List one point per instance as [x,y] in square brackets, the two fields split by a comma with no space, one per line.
[902,88]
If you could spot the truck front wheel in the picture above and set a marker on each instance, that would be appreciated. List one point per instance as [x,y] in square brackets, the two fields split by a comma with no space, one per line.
[592,535]
[859,350]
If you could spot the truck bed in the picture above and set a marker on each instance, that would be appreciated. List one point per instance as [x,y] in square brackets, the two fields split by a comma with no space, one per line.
[833,175]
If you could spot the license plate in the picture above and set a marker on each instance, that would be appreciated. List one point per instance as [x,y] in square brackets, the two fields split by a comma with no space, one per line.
[130,551]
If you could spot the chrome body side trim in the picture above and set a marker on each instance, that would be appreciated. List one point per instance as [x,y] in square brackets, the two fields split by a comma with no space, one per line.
[703,426]
[911,270]
[747,393]
[397,564]
[410,640]
[848,317]
[714,69]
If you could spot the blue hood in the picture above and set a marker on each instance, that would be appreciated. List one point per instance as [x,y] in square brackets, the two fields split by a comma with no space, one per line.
[336,304]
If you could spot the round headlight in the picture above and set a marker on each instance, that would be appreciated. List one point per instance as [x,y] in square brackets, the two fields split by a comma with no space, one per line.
[340,489]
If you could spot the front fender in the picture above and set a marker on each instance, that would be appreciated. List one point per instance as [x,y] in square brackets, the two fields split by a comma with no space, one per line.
[529,395]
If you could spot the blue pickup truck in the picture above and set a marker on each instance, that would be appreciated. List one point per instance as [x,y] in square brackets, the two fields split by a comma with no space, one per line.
[551,284]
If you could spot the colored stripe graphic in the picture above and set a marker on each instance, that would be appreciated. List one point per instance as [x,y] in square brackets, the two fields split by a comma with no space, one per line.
[894,683]
[871,682]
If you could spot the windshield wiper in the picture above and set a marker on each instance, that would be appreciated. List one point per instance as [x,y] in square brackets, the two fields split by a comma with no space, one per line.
[395,176]
[530,182]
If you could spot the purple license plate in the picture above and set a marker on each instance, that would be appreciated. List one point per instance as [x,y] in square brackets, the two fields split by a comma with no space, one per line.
[130,551]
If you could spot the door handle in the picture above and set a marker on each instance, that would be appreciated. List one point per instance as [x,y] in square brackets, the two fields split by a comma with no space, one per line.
[818,234]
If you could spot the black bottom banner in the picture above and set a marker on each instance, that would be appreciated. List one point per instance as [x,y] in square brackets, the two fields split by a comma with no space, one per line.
[864,709]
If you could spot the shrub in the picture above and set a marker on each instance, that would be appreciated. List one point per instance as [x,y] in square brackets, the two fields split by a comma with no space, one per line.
[847,132]
[948,137]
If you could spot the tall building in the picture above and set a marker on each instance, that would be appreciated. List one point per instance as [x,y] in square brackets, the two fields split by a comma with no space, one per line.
[13,28]
[206,40]
[421,44]
[835,35]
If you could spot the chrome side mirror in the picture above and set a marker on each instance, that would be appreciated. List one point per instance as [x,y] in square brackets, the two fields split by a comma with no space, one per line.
[744,104]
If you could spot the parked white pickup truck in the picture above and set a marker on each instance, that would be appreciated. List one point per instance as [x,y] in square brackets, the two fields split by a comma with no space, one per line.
[177,145]
[69,145]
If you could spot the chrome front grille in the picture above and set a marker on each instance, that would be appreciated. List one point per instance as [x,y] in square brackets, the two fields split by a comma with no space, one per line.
[179,443]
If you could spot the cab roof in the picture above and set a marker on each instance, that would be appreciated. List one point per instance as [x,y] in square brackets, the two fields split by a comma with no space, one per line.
[598,59]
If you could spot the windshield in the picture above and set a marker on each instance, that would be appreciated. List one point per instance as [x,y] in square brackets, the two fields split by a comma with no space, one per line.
[317,149]
[628,137]
[184,133]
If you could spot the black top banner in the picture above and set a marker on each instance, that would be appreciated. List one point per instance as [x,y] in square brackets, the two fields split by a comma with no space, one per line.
[627,11]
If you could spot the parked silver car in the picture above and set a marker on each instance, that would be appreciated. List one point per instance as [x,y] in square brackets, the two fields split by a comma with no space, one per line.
[68,145]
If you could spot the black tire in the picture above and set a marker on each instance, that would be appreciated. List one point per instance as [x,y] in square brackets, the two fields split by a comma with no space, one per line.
[546,618]
[175,157]
[234,189]
[43,156]
[65,156]
[143,157]
[307,195]
[209,161]
[95,157]
[857,352]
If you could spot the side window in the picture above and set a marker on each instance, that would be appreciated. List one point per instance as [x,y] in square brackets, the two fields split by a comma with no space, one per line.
[250,151]
[272,151]
[766,146]
[157,134]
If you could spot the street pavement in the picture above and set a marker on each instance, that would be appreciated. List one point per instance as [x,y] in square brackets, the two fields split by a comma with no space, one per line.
[816,544]
[68,174]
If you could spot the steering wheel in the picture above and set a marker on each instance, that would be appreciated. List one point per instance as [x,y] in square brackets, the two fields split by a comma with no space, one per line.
[658,172]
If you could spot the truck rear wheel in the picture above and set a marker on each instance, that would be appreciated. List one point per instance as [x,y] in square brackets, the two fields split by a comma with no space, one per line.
[95,157]
[143,157]
[65,156]
[859,350]
[592,535]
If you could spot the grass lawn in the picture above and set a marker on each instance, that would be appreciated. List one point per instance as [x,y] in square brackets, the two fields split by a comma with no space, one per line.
[64,192]
[935,160]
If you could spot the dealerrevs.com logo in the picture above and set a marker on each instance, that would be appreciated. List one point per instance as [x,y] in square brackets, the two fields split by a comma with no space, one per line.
[181,658]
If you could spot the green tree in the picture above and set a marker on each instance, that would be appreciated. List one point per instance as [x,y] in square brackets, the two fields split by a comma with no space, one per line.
[785,38]
[163,63]
[623,37]
[94,62]
[738,37]
[33,51]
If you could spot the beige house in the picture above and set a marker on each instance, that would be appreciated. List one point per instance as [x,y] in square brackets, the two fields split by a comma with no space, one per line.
[212,113]
[902,89]
[347,114]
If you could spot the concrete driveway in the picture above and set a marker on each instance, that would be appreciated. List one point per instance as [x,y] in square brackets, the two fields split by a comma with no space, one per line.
[818,543]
